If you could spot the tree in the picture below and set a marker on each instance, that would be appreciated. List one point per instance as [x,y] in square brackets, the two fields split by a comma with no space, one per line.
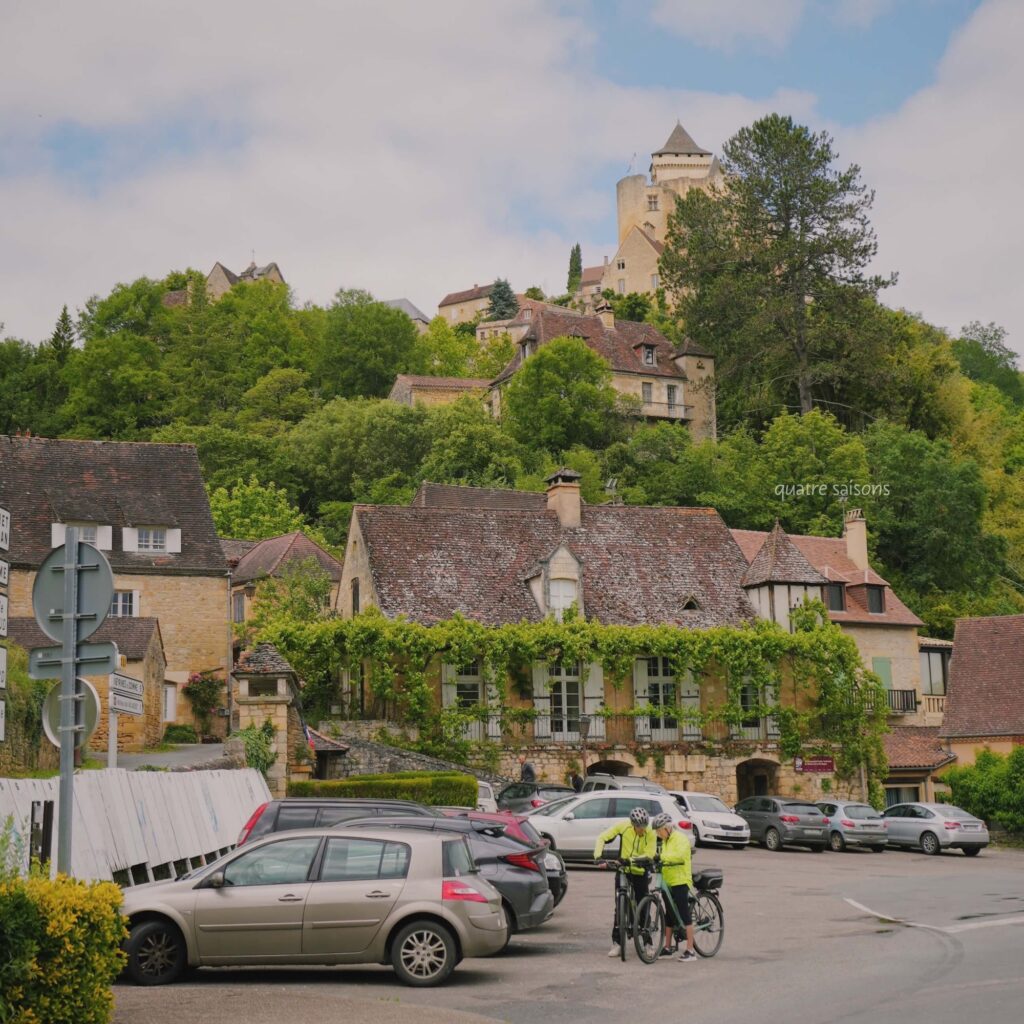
[300,592]
[563,396]
[634,306]
[62,341]
[984,356]
[535,293]
[503,304]
[253,511]
[770,268]
[469,447]
[279,398]
[492,356]
[575,269]
[442,351]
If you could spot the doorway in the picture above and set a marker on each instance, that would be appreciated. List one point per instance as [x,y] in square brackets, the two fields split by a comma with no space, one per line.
[756,777]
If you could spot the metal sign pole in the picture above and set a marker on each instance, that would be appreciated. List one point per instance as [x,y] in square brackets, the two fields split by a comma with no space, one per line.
[69,715]
[111,735]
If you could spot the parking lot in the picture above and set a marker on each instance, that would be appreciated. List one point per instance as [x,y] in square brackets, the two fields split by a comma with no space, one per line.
[823,937]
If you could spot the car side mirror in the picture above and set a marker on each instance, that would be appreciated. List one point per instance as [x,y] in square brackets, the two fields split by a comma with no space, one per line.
[215,880]
[569,817]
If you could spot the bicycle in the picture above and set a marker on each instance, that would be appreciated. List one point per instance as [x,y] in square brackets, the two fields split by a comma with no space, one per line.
[705,910]
[625,902]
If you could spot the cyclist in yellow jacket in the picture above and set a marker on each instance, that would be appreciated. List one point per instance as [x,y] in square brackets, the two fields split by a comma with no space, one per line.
[676,871]
[638,840]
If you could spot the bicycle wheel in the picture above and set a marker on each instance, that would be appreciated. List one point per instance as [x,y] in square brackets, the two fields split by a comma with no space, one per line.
[708,924]
[622,906]
[649,929]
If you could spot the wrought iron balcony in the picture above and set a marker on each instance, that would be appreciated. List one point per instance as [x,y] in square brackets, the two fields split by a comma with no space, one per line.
[902,702]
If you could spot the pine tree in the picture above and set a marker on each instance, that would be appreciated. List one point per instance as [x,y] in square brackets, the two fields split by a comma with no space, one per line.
[575,269]
[62,341]
[503,302]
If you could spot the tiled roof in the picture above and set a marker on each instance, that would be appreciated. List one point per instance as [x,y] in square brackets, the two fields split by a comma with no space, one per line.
[828,555]
[592,275]
[620,345]
[262,660]
[443,383]
[639,564]
[132,635]
[115,483]
[478,291]
[270,556]
[691,348]
[779,561]
[931,641]
[411,311]
[430,495]
[985,695]
[915,746]
[254,273]
[680,141]
[324,744]
[234,549]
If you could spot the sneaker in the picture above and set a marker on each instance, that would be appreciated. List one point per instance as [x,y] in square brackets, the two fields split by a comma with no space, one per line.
[668,951]
[687,954]
[614,951]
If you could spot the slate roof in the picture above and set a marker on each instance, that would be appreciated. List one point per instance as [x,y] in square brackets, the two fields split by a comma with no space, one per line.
[680,141]
[411,311]
[430,495]
[115,483]
[270,556]
[915,746]
[828,556]
[621,345]
[478,291]
[639,564]
[324,744]
[254,273]
[779,561]
[985,693]
[132,635]
[262,660]
[234,549]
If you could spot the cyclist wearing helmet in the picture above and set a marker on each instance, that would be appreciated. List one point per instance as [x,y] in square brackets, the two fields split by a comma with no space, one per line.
[638,840]
[674,852]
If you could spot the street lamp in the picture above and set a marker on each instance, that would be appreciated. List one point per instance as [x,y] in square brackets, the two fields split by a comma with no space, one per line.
[584,733]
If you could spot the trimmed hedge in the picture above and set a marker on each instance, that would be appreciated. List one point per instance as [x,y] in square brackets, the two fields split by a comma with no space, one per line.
[61,942]
[992,788]
[431,788]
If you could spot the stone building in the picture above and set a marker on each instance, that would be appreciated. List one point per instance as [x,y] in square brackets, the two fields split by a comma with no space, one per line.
[410,389]
[220,280]
[414,313]
[145,507]
[465,306]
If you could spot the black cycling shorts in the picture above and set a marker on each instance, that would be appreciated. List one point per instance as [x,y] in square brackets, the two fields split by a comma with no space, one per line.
[681,898]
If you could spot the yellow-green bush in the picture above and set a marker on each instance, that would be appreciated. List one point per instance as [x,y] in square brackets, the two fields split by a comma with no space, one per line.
[60,950]
[424,788]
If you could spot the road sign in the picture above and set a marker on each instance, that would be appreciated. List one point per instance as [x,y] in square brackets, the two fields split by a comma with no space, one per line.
[96,659]
[3,720]
[814,764]
[125,684]
[125,705]
[5,530]
[3,668]
[95,592]
[5,572]
[3,615]
[90,713]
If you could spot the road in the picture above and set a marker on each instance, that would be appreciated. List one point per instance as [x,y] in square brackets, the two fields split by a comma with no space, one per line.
[182,755]
[852,938]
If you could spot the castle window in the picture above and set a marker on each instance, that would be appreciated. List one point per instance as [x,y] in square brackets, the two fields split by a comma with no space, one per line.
[620,265]
[622,286]
[652,202]
[648,355]
[654,282]
[647,392]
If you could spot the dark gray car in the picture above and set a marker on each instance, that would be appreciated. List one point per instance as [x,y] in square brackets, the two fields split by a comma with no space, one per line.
[852,823]
[778,821]
[526,797]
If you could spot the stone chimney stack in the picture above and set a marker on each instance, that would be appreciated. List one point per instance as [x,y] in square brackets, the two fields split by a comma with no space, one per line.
[855,533]
[604,311]
[564,496]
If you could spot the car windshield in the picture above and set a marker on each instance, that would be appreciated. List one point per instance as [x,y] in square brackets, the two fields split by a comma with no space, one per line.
[860,811]
[549,793]
[706,803]
[799,808]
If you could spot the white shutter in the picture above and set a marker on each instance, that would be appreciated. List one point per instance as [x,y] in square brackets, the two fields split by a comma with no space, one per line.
[689,697]
[641,724]
[174,542]
[771,722]
[541,701]
[449,695]
[136,603]
[56,534]
[129,538]
[494,705]
[104,538]
[593,699]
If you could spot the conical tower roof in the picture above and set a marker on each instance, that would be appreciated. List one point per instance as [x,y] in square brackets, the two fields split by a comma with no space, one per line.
[779,561]
[680,141]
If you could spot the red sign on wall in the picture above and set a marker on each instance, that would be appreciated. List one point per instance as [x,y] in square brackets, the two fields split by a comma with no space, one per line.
[814,764]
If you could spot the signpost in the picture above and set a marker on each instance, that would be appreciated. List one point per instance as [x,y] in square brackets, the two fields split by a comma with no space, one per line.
[814,764]
[5,571]
[125,698]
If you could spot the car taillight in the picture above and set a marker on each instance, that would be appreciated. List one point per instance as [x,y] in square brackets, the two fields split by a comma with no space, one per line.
[789,819]
[453,891]
[686,824]
[536,802]
[521,860]
[251,824]
[952,824]
[846,823]
[828,821]
[885,824]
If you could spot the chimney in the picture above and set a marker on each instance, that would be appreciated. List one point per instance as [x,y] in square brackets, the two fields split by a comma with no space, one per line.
[564,496]
[604,311]
[855,532]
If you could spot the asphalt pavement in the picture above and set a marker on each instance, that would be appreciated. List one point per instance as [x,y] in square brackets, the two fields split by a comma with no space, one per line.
[852,938]
[184,755]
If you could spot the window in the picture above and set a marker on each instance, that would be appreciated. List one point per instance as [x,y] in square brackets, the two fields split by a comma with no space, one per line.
[876,600]
[622,286]
[654,282]
[170,702]
[648,355]
[600,808]
[620,264]
[566,697]
[296,816]
[152,538]
[562,596]
[647,393]
[671,391]
[351,860]
[238,607]
[934,672]
[355,596]
[835,597]
[86,532]
[468,686]
[749,702]
[456,860]
[882,667]
[652,202]
[123,604]
[284,863]
[661,691]
[527,314]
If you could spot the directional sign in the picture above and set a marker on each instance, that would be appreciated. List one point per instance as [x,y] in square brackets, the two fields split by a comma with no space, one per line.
[125,705]
[5,572]
[5,530]
[125,684]
[95,592]
[96,659]
[3,615]
[3,668]
[90,713]
[3,720]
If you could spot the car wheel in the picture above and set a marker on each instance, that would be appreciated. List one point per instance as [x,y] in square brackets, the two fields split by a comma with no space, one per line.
[423,954]
[696,836]
[930,843]
[156,953]
[972,851]
[739,846]
[772,840]
[837,842]
[878,849]
[819,847]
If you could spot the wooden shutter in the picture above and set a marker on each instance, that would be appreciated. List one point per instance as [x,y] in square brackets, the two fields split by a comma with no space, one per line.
[449,695]
[129,538]
[541,701]
[56,534]
[593,699]
[641,695]
[493,699]
[104,538]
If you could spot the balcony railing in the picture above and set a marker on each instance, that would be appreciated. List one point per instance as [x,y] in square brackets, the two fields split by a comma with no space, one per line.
[935,704]
[902,702]
[667,410]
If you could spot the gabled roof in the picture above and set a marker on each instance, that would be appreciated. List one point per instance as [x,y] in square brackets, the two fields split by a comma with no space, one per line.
[411,311]
[229,274]
[442,383]
[639,564]
[254,273]
[985,694]
[133,635]
[324,744]
[430,495]
[680,141]
[592,275]
[915,746]
[114,483]
[234,549]
[262,660]
[478,291]
[268,557]
[779,561]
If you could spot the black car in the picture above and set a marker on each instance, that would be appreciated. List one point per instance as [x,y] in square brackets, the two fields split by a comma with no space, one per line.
[322,812]
[526,797]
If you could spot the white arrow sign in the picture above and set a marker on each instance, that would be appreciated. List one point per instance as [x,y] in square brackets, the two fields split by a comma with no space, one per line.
[5,572]
[125,705]
[5,529]
[126,685]
[3,668]
[3,615]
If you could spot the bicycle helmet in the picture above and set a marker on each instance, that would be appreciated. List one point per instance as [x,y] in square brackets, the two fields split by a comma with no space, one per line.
[661,821]
[639,817]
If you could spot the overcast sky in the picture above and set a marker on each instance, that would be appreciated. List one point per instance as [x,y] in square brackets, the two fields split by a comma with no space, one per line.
[416,148]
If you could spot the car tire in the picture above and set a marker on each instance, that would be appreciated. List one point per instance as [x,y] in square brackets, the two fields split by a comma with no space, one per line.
[739,846]
[878,849]
[696,836]
[837,842]
[819,848]
[972,851]
[423,954]
[772,840]
[930,844]
[157,954]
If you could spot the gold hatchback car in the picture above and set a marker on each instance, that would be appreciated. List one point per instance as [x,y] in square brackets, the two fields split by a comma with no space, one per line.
[408,898]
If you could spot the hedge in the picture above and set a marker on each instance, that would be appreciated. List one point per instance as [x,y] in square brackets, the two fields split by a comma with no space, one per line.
[432,788]
[992,788]
[61,942]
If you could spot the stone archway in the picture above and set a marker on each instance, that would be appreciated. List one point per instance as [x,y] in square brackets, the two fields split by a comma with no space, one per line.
[755,777]
[609,767]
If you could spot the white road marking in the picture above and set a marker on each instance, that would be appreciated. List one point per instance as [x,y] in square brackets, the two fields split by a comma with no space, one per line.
[953,929]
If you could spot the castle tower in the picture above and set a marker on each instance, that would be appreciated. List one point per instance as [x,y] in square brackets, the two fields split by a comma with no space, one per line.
[680,157]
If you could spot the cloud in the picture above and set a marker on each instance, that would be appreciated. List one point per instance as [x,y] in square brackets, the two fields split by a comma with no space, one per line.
[860,13]
[722,24]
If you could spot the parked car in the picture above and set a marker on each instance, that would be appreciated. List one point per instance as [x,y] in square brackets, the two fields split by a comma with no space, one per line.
[713,822]
[572,825]
[514,868]
[933,828]
[518,826]
[778,821]
[854,824]
[599,781]
[411,898]
[527,796]
[321,812]
[485,797]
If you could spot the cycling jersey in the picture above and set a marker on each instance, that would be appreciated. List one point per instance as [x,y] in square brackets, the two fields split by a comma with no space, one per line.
[633,845]
[676,858]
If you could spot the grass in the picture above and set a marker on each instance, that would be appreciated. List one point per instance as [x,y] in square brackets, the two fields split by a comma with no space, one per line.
[160,748]
[89,764]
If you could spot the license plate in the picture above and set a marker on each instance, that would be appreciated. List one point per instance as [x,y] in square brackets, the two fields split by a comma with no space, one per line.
[812,831]
[971,828]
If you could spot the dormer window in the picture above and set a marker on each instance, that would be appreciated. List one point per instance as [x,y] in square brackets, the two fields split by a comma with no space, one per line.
[876,600]
[561,597]
[152,538]
[690,604]
[527,314]
[648,355]
[835,597]
[86,532]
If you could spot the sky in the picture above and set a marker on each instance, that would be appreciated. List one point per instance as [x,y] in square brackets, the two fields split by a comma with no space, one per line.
[415,148]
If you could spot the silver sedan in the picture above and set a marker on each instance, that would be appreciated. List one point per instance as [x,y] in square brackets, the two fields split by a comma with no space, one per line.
[854,824]
[932,828]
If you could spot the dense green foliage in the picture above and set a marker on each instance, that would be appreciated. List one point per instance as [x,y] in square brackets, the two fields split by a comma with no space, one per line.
[431,788]
[175,733]
[575,269]
[502,303]
[257,741]
[992,788]
[23,750]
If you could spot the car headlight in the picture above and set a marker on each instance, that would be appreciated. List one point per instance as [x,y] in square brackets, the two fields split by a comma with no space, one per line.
[551,862]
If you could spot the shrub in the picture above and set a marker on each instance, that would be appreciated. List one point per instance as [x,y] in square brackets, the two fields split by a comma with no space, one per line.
[203,690]
[431,788]
[257,740]
[180,734]
[992,788]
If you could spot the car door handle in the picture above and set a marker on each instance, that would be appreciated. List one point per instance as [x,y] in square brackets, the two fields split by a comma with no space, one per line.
[289,898]
[377,895]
